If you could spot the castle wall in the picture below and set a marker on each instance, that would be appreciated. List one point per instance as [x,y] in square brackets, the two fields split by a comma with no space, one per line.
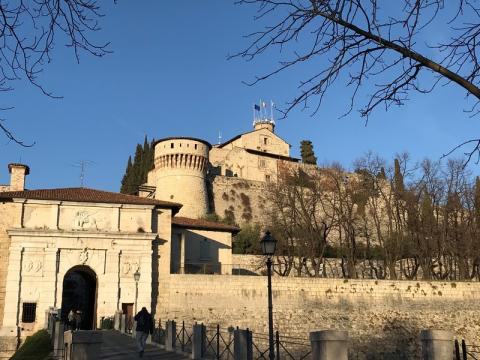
[382,317]
[243,200]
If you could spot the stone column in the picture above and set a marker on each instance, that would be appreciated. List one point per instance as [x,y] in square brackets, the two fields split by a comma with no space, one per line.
[171,335]
[329,345]
[117,320]
[242,344]
[436,344]
[198,341]
[83,345]
[182,253]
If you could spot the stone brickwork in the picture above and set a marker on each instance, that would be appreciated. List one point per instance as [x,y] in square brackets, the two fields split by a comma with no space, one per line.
[8,345]
[383,318]
[244,200]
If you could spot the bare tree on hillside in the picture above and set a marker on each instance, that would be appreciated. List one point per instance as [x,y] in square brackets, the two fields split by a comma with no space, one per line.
[300,222]
[30,30]
[381,42]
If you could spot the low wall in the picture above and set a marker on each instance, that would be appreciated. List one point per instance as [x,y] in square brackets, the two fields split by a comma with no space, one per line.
[8,344]
[383,317]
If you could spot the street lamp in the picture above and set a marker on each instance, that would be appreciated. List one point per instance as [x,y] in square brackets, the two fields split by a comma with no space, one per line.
[136,276]
[269,243]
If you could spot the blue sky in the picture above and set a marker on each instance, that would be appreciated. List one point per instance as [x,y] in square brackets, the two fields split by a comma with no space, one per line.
[169,75]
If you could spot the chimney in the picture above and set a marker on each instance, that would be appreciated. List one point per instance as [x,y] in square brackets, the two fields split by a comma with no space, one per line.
[17,176]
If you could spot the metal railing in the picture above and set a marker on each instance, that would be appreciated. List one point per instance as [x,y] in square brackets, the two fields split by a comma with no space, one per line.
[218,343]
[466,352]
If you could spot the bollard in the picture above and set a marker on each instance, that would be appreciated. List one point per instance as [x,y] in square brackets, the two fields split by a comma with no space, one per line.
[58,344]
[47,318]
[171,335]
[198,341]
[123,323]
[117,320]
[82,345]
[329,345]
[436,344]
[242,344]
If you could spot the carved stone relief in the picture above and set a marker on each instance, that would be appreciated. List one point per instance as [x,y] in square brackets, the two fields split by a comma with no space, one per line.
[32,265]
[130,266]
[83,220]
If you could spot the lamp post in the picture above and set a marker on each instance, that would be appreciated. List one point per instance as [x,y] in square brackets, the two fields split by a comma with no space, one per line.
[269,244]
[136,276]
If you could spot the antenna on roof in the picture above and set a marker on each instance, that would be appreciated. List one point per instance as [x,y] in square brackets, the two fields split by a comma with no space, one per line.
[82,164]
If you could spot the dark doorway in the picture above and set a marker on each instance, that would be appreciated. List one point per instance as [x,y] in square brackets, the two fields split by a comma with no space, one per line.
[79,294]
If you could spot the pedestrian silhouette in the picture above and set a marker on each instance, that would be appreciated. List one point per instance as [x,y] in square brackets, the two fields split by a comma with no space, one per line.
[143,329]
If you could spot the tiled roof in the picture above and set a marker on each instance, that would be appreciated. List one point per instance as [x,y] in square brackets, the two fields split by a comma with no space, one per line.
[87,195]
[203,224]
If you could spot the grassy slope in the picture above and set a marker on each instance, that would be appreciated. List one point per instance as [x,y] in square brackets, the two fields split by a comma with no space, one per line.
[36,347]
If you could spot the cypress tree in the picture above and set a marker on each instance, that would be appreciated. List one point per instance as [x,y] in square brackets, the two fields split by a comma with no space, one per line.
[127,178]
[306,150]
[399,186]
[137,170]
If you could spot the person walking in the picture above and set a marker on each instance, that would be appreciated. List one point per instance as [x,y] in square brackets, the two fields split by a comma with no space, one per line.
[78,320]
[71,320]
[143,329]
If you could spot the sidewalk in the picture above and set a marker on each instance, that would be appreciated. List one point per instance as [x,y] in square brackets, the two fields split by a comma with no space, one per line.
[116,346]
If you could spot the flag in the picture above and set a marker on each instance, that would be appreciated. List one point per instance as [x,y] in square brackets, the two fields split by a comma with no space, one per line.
[256,107]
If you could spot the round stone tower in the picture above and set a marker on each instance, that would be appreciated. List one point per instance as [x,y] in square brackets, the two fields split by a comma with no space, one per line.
[180,167]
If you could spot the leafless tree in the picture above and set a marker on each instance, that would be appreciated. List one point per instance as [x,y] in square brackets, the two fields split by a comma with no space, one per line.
[30,30]
[381,42]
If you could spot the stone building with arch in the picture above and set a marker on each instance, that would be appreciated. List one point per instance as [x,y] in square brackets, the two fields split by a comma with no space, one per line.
[78,249]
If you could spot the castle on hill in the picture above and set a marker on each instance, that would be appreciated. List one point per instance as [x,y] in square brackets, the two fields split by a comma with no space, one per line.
[228,179]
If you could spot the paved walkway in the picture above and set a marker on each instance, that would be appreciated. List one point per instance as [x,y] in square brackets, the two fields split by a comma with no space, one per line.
[116,346]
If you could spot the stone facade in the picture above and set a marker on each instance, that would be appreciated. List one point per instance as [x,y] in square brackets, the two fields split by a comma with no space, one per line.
[55,241]
[383,317]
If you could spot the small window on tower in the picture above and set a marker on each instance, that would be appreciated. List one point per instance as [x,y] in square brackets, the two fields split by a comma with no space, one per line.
[262,163]
[267,178]
[29,312]
[171,145]
[195,146]
[265,141]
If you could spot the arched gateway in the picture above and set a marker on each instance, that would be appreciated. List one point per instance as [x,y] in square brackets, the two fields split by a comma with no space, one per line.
[80,293]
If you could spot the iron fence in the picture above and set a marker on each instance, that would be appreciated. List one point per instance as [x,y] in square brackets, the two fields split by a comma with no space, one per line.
[218,343]
[184,338]
[285,347]
[466,352]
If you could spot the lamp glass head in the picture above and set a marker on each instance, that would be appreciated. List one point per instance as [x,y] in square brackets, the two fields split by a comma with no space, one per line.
[136,276]
[269,244]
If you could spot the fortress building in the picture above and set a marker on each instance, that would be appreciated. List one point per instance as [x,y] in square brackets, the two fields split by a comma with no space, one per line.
[228,179]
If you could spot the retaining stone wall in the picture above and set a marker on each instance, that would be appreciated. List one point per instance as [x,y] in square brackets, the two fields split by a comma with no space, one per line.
[383,317]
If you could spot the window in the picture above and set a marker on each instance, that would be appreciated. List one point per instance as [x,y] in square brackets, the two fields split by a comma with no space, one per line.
[29,312]
[267,178]
[261,163]
[195,146]
[171,145]
[265,141]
